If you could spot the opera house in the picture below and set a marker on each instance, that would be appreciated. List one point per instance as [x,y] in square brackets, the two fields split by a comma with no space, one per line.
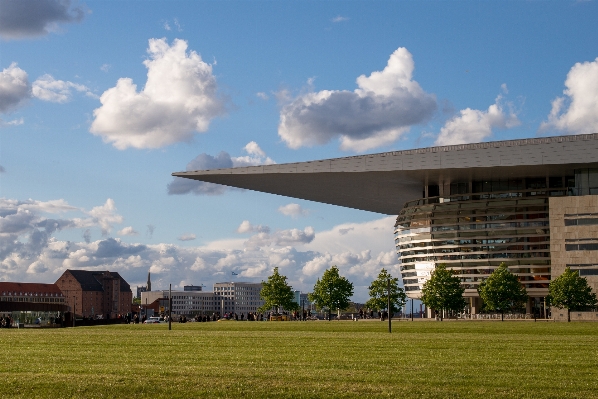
[531,203]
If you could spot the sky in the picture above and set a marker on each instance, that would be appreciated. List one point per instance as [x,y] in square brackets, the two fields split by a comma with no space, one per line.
[100,101]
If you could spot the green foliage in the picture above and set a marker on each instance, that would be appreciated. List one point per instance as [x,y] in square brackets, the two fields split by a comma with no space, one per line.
[277,293]
[332,291]
[379,293]
[571,291]
[443,291]
[502,291]
[136,301]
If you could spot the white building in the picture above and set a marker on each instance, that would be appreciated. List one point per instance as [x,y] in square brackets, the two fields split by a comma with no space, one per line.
[233,297]
[238,297]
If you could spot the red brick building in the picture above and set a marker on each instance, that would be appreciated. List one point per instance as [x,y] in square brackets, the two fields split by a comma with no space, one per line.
[93,293]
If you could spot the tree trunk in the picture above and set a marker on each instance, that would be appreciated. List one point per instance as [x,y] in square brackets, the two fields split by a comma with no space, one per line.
[568,315]
[502,316]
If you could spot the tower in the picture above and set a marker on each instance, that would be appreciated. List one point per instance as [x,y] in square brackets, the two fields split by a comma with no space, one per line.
[149,282]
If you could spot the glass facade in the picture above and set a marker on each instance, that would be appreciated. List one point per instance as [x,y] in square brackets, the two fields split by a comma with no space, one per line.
[475,228]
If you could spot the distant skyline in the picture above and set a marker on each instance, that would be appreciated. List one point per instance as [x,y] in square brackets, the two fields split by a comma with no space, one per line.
[101,101]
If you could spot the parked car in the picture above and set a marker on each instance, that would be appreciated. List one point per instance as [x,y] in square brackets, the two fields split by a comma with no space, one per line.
[152,320]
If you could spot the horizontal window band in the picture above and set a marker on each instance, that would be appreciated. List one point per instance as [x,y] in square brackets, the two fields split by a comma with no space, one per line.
[581,247]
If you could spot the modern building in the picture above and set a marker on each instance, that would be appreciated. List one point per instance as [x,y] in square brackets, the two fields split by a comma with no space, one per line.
[188,303]
[531,203]
[238,297]
[28,302]
[234,297]
[95,293]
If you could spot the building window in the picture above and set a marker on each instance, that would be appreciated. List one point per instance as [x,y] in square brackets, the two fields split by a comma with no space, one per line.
[582,247]
[581,222]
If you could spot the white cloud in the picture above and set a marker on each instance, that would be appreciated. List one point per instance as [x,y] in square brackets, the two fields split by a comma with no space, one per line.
[105,67]
[246,227]
[474,126]
[187,237]
[167,26]
[58,91]
[29,251]
[14,87]
[262,95]
[577,111]
[178,99]
[128,231]
[14,122]
[256,156]
[104,216]
[204,161]
[339,18]
[28,18]
[293,210]
[383,107]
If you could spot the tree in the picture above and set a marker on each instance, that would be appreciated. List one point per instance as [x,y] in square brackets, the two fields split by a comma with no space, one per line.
[332,291]
[277,293]
[379,294]
[502,291]
[571,291]
[443,291]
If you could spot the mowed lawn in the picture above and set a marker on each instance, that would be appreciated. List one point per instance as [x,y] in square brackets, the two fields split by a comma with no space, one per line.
[427,359]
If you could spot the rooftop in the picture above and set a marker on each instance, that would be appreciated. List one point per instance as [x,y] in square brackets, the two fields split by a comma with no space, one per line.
[383,182]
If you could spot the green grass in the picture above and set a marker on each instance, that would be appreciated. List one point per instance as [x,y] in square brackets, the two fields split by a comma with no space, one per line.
[315,359]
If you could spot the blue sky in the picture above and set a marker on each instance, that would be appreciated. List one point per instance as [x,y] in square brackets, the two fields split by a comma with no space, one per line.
[100,101]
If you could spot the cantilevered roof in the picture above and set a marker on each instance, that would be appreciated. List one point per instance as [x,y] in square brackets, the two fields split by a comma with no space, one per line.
[384,182]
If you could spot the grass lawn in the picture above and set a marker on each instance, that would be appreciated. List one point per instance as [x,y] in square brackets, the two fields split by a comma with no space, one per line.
[467,359]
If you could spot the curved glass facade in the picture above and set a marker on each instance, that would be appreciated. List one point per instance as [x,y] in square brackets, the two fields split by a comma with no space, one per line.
[475,229]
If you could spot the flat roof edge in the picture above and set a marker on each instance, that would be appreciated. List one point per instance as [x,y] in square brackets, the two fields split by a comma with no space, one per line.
[425,150]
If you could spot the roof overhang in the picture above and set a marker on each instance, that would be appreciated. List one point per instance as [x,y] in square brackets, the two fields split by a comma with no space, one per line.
[383,182]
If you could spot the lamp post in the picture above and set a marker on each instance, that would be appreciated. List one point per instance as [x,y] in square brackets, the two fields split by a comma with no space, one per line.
[389,315]
[170,307]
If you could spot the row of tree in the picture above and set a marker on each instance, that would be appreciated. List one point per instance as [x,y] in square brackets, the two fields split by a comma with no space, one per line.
[501,292]
[333,292]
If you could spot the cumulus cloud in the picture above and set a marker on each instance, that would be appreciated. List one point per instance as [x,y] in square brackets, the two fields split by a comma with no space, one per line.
[30,251]
[246,227]
[187,237]
[204,161]
[256,156]
[58,91]
[29,18]
[14,87]
[473,126]
[127,231]
[577,111]
[104,215]
[178,185]
[293,210]
[383,107]
[179,99]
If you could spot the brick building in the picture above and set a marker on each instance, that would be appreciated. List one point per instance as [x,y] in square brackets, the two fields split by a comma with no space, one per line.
[93,293]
